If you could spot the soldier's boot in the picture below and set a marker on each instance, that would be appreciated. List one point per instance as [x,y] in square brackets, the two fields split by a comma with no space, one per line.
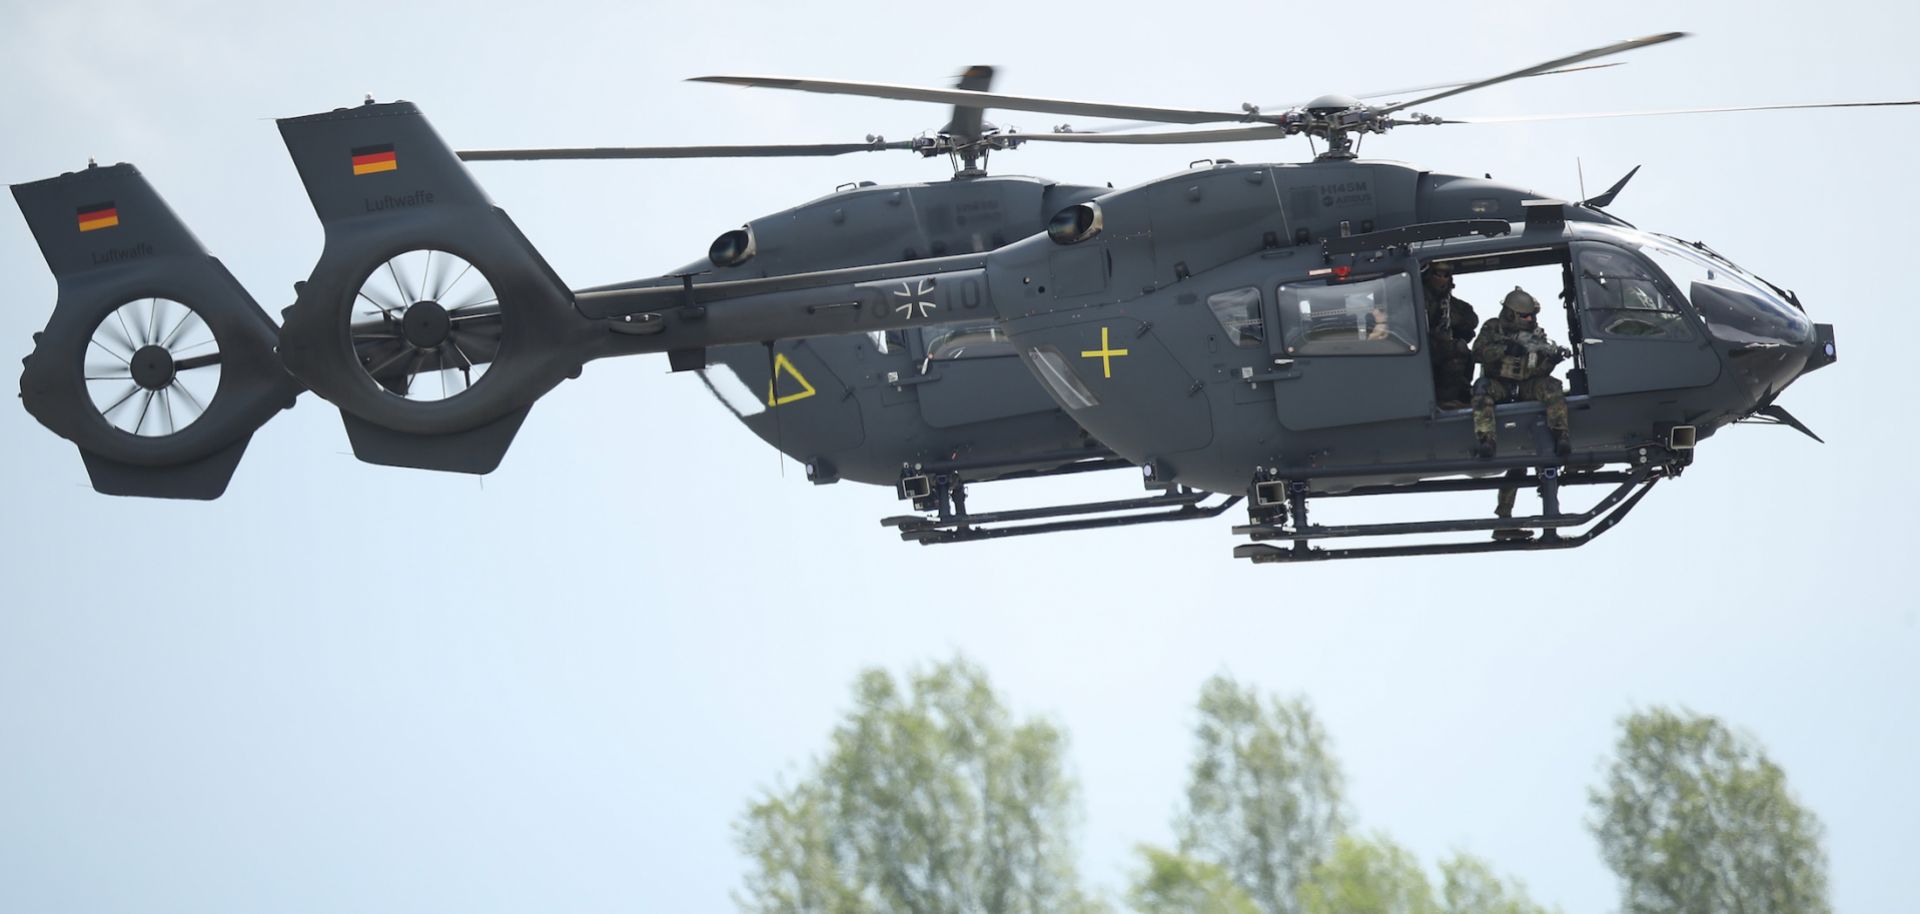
[1562,443]
[1503,508]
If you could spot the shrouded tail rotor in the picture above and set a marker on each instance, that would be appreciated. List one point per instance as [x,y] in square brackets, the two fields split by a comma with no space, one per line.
[155,363]
[430,321]
[152,367]
[428,339]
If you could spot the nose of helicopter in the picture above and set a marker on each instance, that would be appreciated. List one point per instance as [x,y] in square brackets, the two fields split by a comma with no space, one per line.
[1814,352]
[1791,360]
[1820,352]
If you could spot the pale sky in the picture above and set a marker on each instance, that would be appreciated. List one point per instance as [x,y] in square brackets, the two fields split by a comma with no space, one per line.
[347,687]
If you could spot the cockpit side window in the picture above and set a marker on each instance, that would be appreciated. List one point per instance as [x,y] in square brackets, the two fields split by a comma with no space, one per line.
[1365,317]
[1238,311]
[975,340]
[1622,300]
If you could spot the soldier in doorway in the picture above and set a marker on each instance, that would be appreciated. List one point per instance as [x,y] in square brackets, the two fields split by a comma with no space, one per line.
[1450,326]
[1517,360]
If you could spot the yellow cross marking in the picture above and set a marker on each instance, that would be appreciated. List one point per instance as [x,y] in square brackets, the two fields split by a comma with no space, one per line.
[780,364]
[1105,354]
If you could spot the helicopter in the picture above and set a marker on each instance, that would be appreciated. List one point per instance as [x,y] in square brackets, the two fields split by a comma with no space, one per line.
[1211,399]
[1356,228]
[861,407]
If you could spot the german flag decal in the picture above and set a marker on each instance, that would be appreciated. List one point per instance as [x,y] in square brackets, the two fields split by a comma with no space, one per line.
[372,159]
[95,216]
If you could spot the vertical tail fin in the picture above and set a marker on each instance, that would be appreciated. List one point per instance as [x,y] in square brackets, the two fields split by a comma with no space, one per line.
[156,363]
[430,321]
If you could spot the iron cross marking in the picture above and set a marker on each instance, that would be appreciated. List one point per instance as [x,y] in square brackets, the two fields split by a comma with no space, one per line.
[910,298]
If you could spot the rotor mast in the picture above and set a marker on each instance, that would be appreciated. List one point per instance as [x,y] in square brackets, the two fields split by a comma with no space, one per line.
[968,138]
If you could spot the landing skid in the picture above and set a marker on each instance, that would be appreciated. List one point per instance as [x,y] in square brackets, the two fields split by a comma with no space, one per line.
[941,491]
[1278,516]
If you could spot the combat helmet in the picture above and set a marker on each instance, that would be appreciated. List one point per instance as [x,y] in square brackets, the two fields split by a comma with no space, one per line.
[1519,302]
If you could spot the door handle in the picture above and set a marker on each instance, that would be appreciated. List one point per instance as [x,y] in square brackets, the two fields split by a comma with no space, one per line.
[894,379]
[1282,373]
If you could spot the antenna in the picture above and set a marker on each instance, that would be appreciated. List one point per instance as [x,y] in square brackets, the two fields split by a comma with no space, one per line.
[1582,172]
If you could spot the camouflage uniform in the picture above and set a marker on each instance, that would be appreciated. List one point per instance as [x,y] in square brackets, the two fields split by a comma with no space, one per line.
[1516,357]
[1450,325]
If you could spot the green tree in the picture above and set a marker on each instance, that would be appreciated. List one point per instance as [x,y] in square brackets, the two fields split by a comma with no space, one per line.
[1367,876]
[1264,793]
[1172,883]
[930,800]
[1468,885]
[1695,818]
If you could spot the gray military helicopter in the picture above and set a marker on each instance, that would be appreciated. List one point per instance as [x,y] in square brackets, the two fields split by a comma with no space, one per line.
[927,410]
[1302,410]
[1305,375]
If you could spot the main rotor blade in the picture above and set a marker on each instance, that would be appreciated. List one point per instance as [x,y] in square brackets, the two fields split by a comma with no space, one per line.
[982,99]
[968,119]
[1540,68]
[1456,85]
[1525,118]
[1220,135]
[676,152]
[1136,125]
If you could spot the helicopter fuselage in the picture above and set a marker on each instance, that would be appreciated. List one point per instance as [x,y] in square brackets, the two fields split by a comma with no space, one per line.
[1208,330]
[1218,326]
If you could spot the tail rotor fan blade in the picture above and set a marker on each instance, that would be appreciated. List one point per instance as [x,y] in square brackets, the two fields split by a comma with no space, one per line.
[133,392]
[441,336]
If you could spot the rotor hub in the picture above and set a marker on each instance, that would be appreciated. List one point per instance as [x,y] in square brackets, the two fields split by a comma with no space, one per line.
[426,324]
[153,367]
[1327,105]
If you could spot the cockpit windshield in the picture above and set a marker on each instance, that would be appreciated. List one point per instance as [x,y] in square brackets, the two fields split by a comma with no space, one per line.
[1737,306]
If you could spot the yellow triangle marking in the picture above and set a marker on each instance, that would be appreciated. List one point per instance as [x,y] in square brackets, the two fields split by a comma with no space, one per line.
[780,364]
